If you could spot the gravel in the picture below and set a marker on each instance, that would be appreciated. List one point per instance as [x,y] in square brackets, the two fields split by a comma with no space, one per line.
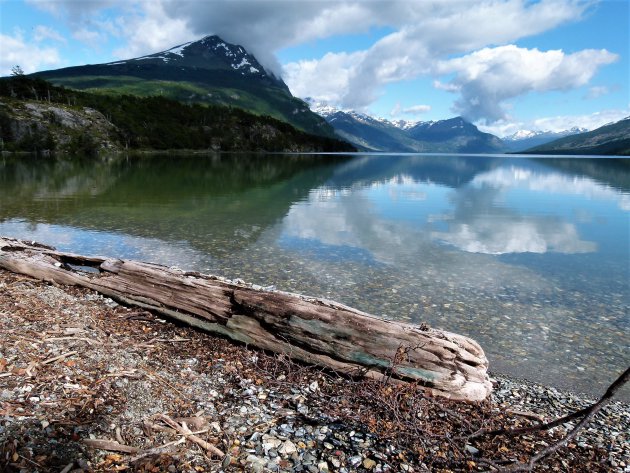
[265,413]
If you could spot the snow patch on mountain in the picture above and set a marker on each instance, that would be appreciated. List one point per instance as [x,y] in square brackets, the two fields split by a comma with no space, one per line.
[527,134]
[179,50]
[325,110]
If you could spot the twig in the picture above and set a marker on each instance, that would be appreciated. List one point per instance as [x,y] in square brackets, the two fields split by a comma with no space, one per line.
[110,445]
[67,468]
[64,355]
[159,449]
[590,413]
[119,436]
[186,432]
[83,339]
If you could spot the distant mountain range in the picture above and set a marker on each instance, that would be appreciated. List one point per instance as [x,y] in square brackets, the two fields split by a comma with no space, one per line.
[526,139]
[207,71]
[611,139]
[454,135]
[457,135]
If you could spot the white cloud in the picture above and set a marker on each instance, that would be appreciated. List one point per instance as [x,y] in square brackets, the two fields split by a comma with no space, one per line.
[304,78]
[413,110]
[29,56]
[485,79]
[427,32]
[417,109]
[150,30]
[596,92]
[88,36]
[588,121]
[42,33]
[556,123]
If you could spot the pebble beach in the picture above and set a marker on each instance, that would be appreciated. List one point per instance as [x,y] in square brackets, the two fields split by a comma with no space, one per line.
[89,385]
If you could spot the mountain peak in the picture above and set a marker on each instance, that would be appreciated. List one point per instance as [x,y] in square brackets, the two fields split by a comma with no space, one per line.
[210,52]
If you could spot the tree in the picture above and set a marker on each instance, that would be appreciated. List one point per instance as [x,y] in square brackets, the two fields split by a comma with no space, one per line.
[17,71]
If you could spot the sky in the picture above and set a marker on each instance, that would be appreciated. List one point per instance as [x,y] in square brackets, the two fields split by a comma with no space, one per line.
[505,65]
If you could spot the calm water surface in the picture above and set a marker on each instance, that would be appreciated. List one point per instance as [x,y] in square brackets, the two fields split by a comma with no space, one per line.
[531,257]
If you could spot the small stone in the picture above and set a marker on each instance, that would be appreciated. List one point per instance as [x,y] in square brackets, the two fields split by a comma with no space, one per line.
[368,463]
[287,448]
[472,450]
[256,464]
[323,467]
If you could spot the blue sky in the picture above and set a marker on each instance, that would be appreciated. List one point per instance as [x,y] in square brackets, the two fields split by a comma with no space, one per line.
[503,64]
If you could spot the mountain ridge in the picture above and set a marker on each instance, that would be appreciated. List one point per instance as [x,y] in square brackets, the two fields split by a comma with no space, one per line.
[208,71]
[380,134]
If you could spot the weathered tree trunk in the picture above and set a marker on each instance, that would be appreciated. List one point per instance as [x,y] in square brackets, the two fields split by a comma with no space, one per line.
[308,329]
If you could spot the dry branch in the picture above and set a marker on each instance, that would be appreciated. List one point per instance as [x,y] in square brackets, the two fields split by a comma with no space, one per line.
[110,445]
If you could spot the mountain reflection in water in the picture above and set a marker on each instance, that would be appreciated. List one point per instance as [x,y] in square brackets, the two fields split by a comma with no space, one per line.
[528,256]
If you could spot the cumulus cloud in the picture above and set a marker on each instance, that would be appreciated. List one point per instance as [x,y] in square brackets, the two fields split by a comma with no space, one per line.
[427,32]
[588,121]
[30,56]
[42,33]
[335,68]
[413,110]
[596,92]
[88,36]
[485,79]
[557,123]
[150,29]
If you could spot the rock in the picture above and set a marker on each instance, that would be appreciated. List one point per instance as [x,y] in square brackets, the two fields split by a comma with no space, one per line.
[287,448]
[472,450]
[368,463]
[256,464]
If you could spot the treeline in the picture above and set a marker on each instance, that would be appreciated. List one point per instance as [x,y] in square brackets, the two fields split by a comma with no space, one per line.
[160,123]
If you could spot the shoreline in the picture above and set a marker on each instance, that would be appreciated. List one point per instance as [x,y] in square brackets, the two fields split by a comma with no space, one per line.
[123,367]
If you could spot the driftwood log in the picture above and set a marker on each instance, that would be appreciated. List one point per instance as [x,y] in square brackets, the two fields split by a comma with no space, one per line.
[308,329]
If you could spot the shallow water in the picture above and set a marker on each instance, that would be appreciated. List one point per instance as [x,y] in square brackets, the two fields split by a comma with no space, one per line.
[530,257]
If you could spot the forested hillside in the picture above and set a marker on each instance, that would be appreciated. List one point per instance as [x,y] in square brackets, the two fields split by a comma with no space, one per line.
[36,115]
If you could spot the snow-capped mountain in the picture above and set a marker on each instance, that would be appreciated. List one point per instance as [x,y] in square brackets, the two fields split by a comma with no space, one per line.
[527,134]
[525,139]
[208,51]
[207,71]
[405,124]
[380,134]
[325,110]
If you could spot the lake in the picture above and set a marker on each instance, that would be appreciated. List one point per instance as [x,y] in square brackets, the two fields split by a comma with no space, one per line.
[530,257]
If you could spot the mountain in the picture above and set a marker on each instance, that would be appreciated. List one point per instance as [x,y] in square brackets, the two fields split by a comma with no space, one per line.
[369,133]
[525,139]
[208,71]
[454,135]
[611,139]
